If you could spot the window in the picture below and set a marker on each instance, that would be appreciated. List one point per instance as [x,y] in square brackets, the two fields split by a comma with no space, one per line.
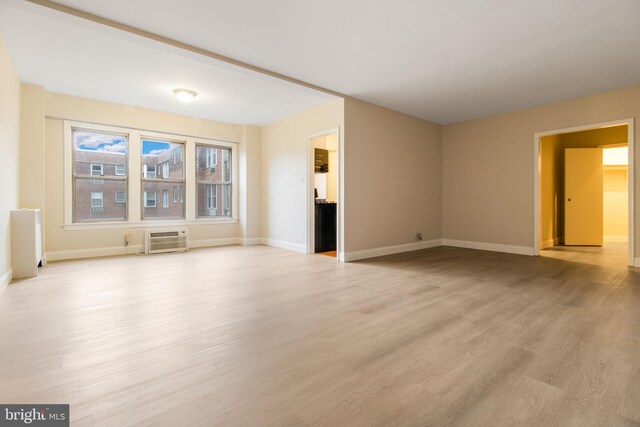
[165,199]
[211,157]
[149,171]
[165,170]
[177,156]
[96,199]
[94,155]
[149,199]
[214,184]
[96,169]
[162,171]
[212,197]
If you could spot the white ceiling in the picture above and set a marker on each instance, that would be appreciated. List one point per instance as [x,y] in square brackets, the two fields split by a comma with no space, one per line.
[73,56]
[440,60]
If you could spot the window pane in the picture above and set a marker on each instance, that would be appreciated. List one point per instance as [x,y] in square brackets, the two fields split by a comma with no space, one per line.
[95,202]
[213,173]
[214,200]
[162,160]
[156,202]
[98,156]
[98,153]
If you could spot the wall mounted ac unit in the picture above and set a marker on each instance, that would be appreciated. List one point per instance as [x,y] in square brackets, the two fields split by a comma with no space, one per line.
[158,242]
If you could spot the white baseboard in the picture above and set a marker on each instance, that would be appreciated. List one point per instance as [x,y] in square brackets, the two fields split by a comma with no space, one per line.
[252,241]
[510,249]
[5,279]
[616,239]
[93,252]
[296,247]
[389,250]
[208,243]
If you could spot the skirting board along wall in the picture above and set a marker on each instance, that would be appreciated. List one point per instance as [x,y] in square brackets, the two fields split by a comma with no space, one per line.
[138,249]
[510,249]
[389,250]
[5,279]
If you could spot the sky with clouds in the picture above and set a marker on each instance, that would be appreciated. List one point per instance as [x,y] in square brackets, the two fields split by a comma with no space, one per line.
[100,142]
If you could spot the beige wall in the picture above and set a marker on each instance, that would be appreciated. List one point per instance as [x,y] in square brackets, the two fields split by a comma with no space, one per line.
[285,159]
[10,159]
[250,162]
[488,166]
[393,177]
[552,177]
[74,243]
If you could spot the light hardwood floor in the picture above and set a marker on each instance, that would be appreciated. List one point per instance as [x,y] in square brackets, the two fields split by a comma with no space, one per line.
[261,336]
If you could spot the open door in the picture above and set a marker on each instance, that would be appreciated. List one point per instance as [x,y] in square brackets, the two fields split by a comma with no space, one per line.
[583,191]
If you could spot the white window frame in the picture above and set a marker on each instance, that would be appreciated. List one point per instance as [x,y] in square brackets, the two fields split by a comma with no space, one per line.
[134,189]
[101,169]
[161,176]
[146,173]
[124,169]
[147,199]
[233,182]
[211,157]
[101,198]
[212,197]
[124,197]
[165,199]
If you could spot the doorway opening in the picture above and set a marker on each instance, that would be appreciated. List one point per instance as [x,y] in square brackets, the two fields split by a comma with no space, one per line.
[323,213]
[584,195]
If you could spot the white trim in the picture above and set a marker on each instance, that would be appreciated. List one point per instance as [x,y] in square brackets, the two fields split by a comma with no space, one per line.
[310,246]
[636,262]
[5,279]
[209,243]
[251,241]
[389,250]
[295,247]
[494,247]
[94,252]
[631,188]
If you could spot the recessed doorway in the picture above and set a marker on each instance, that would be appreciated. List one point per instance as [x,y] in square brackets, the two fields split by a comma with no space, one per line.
[323,214]
[584,193]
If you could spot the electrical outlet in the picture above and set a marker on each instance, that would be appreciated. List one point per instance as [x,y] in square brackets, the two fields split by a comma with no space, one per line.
[418,235]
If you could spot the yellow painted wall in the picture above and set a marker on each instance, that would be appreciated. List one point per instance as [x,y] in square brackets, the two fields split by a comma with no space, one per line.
[552,178]
[616,204]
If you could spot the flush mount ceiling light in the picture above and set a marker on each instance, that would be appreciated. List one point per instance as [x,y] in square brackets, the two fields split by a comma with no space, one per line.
[185,95]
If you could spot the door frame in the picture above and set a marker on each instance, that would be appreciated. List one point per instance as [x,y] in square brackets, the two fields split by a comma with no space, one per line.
[537,136]
[311,196]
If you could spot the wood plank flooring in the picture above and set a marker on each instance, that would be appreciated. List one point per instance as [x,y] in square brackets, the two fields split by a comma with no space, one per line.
[260,336]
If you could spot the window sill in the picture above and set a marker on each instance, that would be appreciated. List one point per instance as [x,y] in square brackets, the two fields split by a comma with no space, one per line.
[148,224]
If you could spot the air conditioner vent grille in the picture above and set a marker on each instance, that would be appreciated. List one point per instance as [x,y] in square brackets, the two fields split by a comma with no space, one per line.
[166,241]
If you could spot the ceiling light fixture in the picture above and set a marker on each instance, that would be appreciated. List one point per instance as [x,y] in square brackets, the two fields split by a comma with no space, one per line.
[185,95]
